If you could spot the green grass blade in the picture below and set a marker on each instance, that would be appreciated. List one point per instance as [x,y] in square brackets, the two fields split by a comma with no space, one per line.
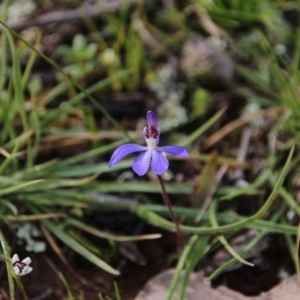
[66,285]
[192,137]
[247,248]
[73,244]
[222,239]
[105,235]
[9,267]
[200,248]
[181,262]
[18,187]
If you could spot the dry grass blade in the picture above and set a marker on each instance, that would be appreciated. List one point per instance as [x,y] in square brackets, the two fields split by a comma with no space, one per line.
[208,197]
[231,126]
[54,246]
[110,236]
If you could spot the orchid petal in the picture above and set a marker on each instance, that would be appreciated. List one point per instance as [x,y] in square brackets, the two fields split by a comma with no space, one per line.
[15,258]
[159,163]
[26,261]
[26,270]
[152,130]
[142,162]
[123,151]
[152,119]
[175,150]
[17,270]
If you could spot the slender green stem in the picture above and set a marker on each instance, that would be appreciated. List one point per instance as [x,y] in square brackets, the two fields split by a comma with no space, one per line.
[21,288]
[8,266]
[171,212]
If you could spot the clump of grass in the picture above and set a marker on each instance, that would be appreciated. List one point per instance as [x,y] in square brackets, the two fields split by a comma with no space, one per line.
[55,194]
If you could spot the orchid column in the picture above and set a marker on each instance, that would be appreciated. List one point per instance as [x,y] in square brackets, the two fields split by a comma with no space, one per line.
[152,156]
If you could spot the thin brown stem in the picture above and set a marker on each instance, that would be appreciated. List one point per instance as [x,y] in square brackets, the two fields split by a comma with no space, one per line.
[171,212]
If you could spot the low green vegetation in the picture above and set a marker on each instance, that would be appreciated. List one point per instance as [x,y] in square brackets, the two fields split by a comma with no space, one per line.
[214,68]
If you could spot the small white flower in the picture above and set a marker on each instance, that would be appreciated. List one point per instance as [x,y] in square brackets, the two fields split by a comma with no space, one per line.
[21,267]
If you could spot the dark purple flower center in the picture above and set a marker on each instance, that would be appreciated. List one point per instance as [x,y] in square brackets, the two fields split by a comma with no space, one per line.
[20,265]
[151,132]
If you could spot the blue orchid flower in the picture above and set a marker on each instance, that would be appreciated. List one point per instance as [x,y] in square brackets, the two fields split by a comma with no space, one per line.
[152,156]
